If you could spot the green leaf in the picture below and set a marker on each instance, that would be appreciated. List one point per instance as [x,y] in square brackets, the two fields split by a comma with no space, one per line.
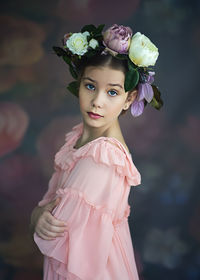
[121,56]
[90,53]
[67,59]
[90,28]
[73,72]
[156,102]
[89,38]
[100,28]
[73,88]
[131,79]
[59,51]
[97,36]
[131,65]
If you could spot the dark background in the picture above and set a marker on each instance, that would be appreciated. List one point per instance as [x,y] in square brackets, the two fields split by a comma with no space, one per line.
[36,111]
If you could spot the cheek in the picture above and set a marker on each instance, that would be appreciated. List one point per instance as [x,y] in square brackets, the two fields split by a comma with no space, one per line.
[115,109]
[81,96]
[83,100]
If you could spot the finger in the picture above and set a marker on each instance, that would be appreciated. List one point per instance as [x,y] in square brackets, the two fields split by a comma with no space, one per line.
[49,234]
[41,235]
[49,229]
[54,221]
[49,218]
[45,237]
[54,229]
[51,205]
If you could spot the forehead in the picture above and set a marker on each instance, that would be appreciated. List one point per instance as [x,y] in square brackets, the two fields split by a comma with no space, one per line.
[104,74]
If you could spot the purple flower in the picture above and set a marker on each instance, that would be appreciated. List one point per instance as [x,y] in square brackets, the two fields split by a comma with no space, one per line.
[150,77]
[145,91]
[117,38]
[137,108]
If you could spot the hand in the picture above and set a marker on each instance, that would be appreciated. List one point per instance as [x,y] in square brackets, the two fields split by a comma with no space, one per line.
[46,225]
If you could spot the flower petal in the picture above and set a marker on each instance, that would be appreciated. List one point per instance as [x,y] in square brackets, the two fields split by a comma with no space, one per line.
[137,108]
[141,92]
[93,43]
[148,92]
[86,33]
[142,52]
[150,78]
[118,38]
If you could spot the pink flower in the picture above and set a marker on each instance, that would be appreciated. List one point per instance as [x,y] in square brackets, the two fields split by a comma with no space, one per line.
[21,44]
[117,38]
[13,125]
[66,37]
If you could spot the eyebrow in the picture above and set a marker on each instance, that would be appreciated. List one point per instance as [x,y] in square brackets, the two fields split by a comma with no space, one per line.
[88,78]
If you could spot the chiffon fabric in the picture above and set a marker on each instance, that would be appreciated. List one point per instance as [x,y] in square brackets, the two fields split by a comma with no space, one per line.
[93,183]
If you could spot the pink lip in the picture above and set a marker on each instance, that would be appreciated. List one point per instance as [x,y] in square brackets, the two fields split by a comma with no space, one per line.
[94,116]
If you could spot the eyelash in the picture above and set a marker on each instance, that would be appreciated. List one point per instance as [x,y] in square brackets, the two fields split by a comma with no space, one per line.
[88,85]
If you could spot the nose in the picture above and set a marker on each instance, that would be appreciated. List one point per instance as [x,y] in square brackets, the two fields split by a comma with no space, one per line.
[98,99]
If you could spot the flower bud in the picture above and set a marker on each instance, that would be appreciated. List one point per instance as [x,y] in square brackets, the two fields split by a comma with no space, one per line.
[117,38]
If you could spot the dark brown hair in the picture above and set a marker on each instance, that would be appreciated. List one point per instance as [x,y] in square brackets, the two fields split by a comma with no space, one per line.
[102,60]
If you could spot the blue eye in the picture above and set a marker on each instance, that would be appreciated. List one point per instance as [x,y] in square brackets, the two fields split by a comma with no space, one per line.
[90,86]
[113,93]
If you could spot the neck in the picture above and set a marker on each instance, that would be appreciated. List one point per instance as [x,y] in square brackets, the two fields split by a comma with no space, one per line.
[91,133]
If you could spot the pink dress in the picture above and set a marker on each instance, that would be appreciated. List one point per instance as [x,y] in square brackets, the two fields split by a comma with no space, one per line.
[93,182]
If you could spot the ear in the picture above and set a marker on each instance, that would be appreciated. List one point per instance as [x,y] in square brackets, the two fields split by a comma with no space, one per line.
[130,98]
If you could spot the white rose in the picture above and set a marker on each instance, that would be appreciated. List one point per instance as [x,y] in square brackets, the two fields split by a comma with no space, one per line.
[93,43]
[86,33]
[142,51]
[77,43]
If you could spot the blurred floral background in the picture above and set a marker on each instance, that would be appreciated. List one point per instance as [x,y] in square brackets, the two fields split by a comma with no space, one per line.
[36,111]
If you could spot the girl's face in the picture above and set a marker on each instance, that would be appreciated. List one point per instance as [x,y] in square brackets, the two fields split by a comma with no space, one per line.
[102,92]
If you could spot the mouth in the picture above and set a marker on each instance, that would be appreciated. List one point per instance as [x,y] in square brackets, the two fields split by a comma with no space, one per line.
[93,115]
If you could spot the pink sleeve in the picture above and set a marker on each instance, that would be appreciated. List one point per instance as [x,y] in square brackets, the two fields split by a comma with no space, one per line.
[87,204]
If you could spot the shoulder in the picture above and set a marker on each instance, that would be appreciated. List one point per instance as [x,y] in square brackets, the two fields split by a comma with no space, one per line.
[123,144]
[70,137]
[111,153]
[74,132]
[105,150]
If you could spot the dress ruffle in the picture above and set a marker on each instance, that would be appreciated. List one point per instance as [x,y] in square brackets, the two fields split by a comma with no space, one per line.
[101,150]
[94,208]
[87,234]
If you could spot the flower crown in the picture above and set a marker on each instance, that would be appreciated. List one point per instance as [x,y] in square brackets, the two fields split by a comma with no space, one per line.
[119,41]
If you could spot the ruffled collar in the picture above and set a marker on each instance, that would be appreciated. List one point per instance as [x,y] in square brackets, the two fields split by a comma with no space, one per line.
[78,130]
[105,152]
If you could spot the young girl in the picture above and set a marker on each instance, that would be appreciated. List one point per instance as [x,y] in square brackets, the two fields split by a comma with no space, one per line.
[81,225]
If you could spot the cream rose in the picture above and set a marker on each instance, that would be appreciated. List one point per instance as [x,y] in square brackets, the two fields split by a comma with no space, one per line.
[93,43]
[77,43]
[142,51]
